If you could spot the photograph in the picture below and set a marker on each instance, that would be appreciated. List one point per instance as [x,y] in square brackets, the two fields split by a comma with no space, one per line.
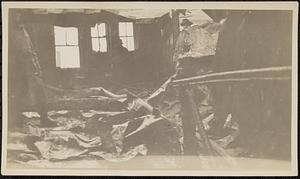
[149,88]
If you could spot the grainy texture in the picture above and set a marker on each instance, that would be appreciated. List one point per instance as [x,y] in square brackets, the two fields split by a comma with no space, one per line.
[167,89]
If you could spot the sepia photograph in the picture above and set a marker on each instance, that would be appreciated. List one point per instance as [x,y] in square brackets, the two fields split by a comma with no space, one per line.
[149,88]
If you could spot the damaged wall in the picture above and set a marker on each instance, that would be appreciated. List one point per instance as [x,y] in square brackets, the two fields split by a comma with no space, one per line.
[256,39]
[148,41]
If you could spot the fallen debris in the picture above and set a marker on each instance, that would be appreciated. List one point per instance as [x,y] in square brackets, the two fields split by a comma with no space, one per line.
[118,129]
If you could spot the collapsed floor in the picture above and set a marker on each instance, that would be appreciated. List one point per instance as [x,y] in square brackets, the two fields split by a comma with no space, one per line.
[119,127]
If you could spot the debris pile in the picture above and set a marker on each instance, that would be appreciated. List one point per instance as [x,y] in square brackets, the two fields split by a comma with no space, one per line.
[115,132]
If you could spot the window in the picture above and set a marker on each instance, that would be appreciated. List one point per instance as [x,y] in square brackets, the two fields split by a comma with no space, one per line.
[66,47]
[126,35]
[98,34]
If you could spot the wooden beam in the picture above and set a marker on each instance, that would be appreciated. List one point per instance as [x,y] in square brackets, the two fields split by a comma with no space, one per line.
[198,121]
[188,124]
[270,72]
[234,80]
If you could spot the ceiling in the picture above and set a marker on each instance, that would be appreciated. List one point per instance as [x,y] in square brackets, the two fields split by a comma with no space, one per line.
[129,13]
[197,16]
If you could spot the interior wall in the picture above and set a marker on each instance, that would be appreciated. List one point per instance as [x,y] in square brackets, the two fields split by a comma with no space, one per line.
[149,60]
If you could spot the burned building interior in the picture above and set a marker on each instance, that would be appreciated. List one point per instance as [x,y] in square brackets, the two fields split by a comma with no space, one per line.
[115,84]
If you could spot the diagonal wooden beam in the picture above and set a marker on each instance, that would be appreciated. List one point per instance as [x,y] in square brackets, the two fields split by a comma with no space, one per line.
[261,73]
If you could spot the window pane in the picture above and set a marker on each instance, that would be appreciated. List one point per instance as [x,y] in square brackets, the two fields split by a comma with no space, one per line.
[59,35]
[58,56]
[103,45]
[102,30]
[94,31]
[95,44]
[124,41]
[130,43]
[129,27]
[122,29]
[68,56]
[72,36]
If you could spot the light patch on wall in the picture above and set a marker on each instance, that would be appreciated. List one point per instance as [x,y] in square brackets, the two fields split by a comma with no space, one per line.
[196,16]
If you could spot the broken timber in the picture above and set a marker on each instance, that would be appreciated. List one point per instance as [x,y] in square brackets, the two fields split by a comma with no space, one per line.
[271,73]
[198,121]
[191,118]
[188,123]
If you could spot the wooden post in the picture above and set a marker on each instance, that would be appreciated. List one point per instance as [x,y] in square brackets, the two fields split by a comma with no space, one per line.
[198,121]
[188,124]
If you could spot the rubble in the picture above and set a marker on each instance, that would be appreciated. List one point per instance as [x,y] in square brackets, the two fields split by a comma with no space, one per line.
[81,133]
[128,125]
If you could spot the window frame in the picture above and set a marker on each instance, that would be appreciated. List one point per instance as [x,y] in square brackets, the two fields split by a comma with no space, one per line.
[58,65]
[126,34]
[98,37]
